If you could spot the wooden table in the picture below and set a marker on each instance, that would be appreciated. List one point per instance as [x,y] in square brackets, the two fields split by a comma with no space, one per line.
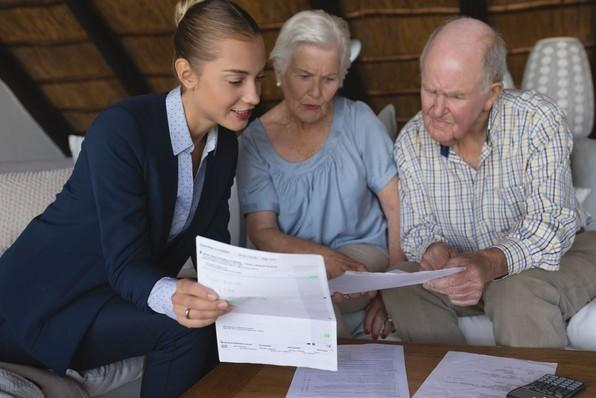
[266,381]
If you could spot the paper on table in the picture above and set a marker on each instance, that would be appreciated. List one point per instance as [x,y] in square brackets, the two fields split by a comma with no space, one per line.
[355,282]
[365,370]
[282,312]
[461,375]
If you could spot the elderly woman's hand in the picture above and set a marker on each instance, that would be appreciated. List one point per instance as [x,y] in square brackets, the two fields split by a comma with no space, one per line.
[377,323]
[195,305]
[337,263]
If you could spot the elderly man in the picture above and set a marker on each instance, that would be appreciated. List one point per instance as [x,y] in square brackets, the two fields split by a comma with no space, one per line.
[485,184]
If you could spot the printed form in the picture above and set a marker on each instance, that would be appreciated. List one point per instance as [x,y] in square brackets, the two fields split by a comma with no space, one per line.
[462,374]
[282,312]
[356,282]
[365,370]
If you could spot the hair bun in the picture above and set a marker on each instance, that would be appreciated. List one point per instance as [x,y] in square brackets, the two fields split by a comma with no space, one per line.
[182,7]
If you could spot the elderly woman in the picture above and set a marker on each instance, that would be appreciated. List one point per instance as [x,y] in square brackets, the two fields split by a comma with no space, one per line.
[316,174]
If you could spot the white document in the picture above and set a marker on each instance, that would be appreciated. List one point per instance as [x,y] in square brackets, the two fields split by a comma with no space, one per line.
[462,375]
[355,282]
[282,312]
[365,370]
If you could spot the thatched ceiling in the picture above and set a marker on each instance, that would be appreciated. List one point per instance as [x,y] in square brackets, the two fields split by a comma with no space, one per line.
[69,59]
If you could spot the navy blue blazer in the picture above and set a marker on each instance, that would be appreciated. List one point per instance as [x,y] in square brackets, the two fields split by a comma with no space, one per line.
[106,233]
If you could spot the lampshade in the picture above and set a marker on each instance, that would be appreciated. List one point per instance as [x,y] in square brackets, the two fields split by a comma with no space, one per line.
[558,67]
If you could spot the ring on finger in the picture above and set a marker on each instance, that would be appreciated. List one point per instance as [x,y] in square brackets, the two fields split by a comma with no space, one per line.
[187,313]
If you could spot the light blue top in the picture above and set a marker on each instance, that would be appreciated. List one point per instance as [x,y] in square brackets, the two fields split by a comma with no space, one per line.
[189,188]
[329,198]
[188,193]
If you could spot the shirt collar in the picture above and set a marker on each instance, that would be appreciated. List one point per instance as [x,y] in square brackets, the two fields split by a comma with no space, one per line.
[493,119]
[211,144]
[444,150]
[179,132]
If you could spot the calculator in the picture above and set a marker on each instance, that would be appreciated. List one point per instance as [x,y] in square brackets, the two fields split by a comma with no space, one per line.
[548,386]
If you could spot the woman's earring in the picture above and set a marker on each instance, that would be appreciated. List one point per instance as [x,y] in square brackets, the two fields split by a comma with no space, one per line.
[278,84]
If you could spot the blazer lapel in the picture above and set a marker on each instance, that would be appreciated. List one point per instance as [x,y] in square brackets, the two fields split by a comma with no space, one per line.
[219,166]
[162,178]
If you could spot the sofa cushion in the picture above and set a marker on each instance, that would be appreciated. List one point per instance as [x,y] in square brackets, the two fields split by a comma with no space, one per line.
[16,386]
[107,378]
[47,383]
[581,329]
[583,163]
[477,329]
[387,117]
[24,195]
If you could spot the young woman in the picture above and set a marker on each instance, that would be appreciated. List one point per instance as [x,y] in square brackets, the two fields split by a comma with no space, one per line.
[92,279]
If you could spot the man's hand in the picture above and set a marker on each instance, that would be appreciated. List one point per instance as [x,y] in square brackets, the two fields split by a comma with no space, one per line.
[466,287]
[436,256]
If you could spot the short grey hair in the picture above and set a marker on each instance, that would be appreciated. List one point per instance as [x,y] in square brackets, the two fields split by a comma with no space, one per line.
[312,27]
[494,63]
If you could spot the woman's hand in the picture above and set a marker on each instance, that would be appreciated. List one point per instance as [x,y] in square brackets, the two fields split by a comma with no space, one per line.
[337,263]
[195,305]
[376,322]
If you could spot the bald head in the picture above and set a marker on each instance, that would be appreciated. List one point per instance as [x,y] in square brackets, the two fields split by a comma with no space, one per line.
[469,41]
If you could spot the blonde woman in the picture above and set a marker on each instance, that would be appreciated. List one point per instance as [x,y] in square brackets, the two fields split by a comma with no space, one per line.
[92,279]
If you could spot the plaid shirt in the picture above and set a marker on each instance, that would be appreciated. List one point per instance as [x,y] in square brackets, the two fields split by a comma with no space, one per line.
[520,199]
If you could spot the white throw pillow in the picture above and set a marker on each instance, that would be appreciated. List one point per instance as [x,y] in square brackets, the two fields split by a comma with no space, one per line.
[107,378]
[387,116]
[581,329]
[74,143]
[584,218]
[50,384]
[16,386]
[24,195]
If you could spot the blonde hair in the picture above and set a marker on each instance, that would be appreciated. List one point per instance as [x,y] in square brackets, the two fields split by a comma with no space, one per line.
[202,24]
[312,27]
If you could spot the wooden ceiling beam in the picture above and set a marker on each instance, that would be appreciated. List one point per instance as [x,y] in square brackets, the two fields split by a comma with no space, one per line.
[34,100]
[474,8]
[109,46]
[352,86]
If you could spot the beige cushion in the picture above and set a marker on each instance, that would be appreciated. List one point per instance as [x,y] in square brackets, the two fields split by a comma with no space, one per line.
[47,384]
[13,385]
[109,377]
[387,116]
[23,196]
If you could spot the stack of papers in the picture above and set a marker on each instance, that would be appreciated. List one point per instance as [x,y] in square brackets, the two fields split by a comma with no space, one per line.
[460,374]
[366,370]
